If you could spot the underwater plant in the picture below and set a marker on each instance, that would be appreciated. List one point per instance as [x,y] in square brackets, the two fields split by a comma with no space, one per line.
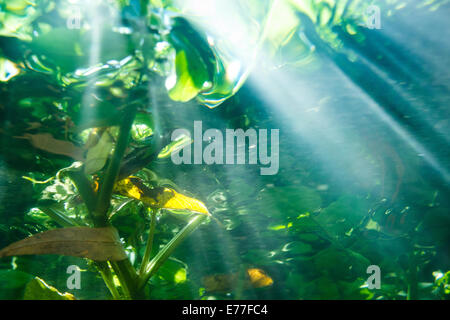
[91,93]
[101,104]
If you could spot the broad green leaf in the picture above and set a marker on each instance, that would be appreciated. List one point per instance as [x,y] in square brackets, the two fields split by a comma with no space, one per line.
[297,248]
[15,21]
[184,36]
[101,244]
[173,271]
[194,63]
[227,79]
[17,5]
[70,49]
[341,264]
[62,47]
[12,284]
[342,215]
[37,289]
[185,87]
[290,201]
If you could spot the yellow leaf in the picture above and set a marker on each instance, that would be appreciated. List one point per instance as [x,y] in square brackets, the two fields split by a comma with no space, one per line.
[277,227]
[127,188]
[116,281]
[259,278]
[174,200]
[180,276]
[158,197]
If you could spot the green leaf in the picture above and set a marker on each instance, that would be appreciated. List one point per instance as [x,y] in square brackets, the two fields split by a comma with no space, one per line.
[37,289]
[297,248]
[290,201]
[62,46]
[15,19]
[342,215]
[12,284]
[142,128]
[70,49]
[341,264]
[226,81]
[175,145]
[185,37]
[172,271]
[185,87]
[194,63]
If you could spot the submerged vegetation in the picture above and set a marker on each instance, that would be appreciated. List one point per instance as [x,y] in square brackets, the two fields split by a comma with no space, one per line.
[92,207]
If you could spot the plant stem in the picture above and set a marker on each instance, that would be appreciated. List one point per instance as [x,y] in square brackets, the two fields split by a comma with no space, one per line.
[148,248]
[105,192]
[123,269]
[165,252]
[59,217]
[107,276]
[84,188]
[127,277]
